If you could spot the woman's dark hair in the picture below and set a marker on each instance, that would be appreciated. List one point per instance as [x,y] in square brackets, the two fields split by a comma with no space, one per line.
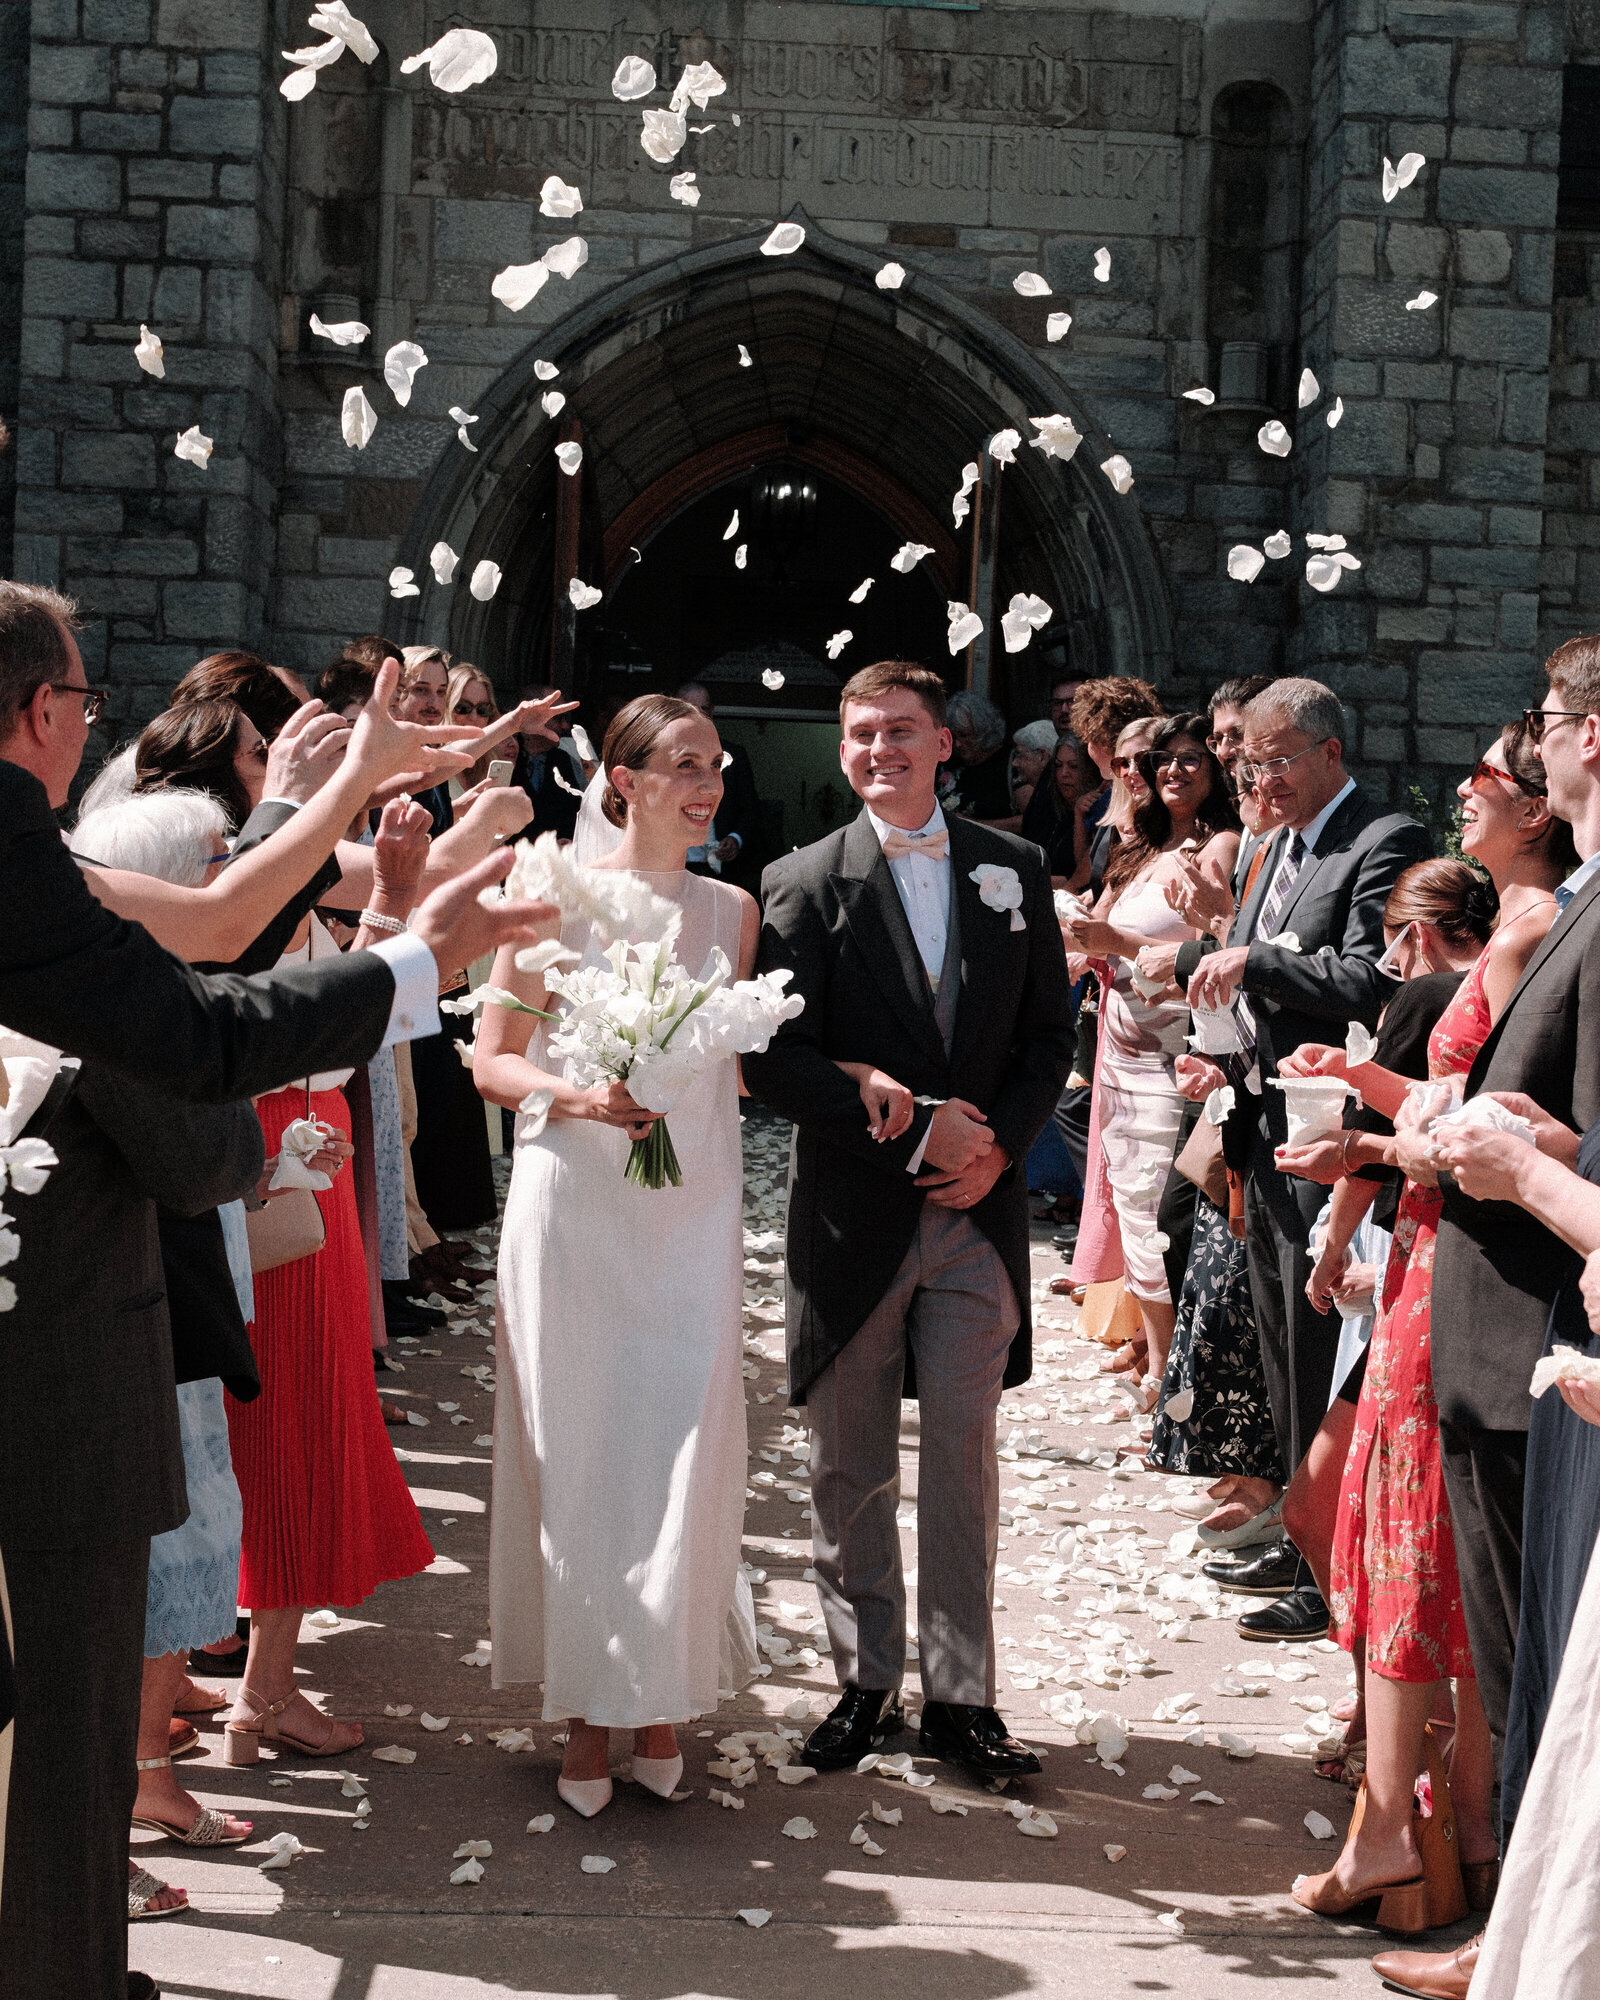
[345,681]
[191,749]
[245,679]
[1152,823]
[1459,902]
[633,734]
[1528,771]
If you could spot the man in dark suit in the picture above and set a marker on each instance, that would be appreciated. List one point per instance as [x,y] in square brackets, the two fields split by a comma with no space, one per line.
[929,951]
[1495,1269]
[1302,962]
[732,842]
[553,783]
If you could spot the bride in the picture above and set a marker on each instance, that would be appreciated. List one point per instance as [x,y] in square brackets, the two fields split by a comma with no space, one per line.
[619,1444]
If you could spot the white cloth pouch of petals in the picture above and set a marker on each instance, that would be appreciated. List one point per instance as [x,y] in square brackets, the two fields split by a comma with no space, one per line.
[302,1138]
[1216,1032]
[1489,1113]
[1315,1105]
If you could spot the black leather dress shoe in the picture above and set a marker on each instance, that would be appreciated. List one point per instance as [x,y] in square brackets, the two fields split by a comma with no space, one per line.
[863,1719]
[1300,1615]
[142,1987]
[976,1737]
[1270,1574]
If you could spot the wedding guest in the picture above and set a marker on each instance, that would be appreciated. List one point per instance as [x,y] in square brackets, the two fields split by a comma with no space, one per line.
[268,695]
[1053,817]
[1100,711]
[620,1329]
[1032,747]
[539,759]
[976,781]
[470,698]
[423,697]
[733,846]
[206,746]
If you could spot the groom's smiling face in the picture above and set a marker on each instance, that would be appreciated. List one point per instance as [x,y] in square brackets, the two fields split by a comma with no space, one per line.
[891,753]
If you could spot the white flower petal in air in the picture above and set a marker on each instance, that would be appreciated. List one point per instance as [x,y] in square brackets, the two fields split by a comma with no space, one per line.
[334,18]
[442,560]
[1310,389]
[584,595]
[961,506]
[745,360]
[682,188]
[1057,327]
[343,333]
[485,581]
[1102,264]
[569,457]
[1396,178]
[1029,285]
[634,78]
[1200,394]
[1003,447]
[1422,301]
[461,418]
[400,367]
[1245,563]
[1325,541]
[741,555]
[1323,572]
[1274,439]
[1336,413]
[732,528]
[698,129]
[357,419]
[1277,545]
[557,198]
[518,283]
[1117,469]
[859,594]
[771,679]
[965,626]
[699,83]
[309,61]
[1025,615]
[566,258]
[890,278]
[299,82]
[784,240]
[148,353]
[838,642]
[1359,1043]
[908,555]
[552,402]
[1058,437]
[459,59]
[547,371]
[663,134]
[1346,561]
[402,583]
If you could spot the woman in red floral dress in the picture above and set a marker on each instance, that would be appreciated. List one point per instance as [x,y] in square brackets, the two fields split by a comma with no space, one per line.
[1394,1582]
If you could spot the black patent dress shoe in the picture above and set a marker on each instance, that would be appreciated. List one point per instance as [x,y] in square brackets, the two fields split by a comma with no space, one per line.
[142,1987]
[1300,1615]
[976,1737]
[1270,1574]
[863,1719]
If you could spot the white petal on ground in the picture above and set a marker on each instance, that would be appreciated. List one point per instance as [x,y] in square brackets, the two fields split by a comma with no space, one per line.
[1310,389]
[741,555]
[963,630]
[745,360]
[908,555]
[483,1652]
[552,402]
[558,198]
[1200,394]
[442,560]
[459,59]
[284,1847]
[1323,572]
[334,18]
[682,188]
[634,78]
[1025,615]
[1003,446]
[1117,469]
[755,1918]
[838,642]
[480,1850]
[1274,439]
[485,581]
[584,595]
[794,1774]
[1058,437]
[799,1829]
[148,353]
[1397,177]
[400,367]
[1422,301]
[961,506]
[1057,327]
[1102,264]
[518,283]
[942,1805]
[784,240]
[1319,1827]
[568,257]
[392,1753]
[468,1873]
[1278,544]
[1245,563]
[887,1815]
[547,371]
[343,332]
[699,83]
[404,1708]
[859,594]
[732,528]
[194,445]
[436,1723]
[1029,285]
[569,457]
[1172,1920]
[729,1801]
[771,679]
[403,583]
[1113,1852]
[663,134]
[890,278]
[1205,1799]
[1179,1776]
[1037,1825]
[541,1823]
[1336,413]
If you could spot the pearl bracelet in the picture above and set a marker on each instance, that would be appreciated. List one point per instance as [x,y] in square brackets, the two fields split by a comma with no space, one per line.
[378,923]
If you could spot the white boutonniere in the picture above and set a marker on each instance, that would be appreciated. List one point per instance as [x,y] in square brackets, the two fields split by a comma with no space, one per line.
[999,889]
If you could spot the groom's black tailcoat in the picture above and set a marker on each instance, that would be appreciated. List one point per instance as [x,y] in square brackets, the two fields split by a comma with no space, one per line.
[832,915]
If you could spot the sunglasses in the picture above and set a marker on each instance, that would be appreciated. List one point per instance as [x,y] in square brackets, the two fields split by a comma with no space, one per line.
[1125,764]
[1482,771]
[1187,761]
[486,709]
[1538,720]
[1389,963]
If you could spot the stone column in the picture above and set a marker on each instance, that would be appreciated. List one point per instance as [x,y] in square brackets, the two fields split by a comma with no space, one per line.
[154,194]
[1436,473]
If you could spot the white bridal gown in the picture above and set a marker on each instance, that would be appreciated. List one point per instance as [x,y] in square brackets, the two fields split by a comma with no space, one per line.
[619,1437]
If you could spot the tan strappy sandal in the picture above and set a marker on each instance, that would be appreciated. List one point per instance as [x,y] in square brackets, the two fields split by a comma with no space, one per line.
[209,1827]
[143,1889]
[245,1733]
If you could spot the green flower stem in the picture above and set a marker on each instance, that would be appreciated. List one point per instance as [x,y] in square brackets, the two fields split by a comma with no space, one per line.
[653,1160]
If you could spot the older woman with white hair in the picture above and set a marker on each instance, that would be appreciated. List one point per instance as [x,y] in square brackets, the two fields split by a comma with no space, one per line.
[976,782]
[1032,747]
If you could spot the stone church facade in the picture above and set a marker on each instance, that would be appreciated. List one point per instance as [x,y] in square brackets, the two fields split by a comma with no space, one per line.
[1227,153]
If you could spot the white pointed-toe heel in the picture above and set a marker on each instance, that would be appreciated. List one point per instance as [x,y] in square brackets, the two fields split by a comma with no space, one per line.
[660,1775]
[586,1796]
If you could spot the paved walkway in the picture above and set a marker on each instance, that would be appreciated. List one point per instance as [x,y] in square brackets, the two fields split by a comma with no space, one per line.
[957,1907]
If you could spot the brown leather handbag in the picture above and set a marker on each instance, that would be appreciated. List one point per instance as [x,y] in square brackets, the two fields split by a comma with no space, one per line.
[1200,1161]
[286,1228]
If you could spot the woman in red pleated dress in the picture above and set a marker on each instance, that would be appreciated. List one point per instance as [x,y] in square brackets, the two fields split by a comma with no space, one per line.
[1394,1581]
[327,1513]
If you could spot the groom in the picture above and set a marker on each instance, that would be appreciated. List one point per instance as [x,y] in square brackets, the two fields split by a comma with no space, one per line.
[930,951]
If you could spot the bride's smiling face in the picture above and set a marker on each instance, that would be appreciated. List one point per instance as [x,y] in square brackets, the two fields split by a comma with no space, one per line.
[679,787]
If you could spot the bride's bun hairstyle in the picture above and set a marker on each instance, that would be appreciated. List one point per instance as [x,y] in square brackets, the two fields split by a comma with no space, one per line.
[634,733]
[1454,898]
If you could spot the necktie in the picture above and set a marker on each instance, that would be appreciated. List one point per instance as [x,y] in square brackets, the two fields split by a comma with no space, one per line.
[1266,927]
[896,844]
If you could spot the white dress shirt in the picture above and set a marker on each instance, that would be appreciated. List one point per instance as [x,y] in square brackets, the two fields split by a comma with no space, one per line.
[1578,879]
[923,881]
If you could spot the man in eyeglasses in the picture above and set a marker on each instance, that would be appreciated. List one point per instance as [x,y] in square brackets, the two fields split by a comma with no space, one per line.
[1300,963]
